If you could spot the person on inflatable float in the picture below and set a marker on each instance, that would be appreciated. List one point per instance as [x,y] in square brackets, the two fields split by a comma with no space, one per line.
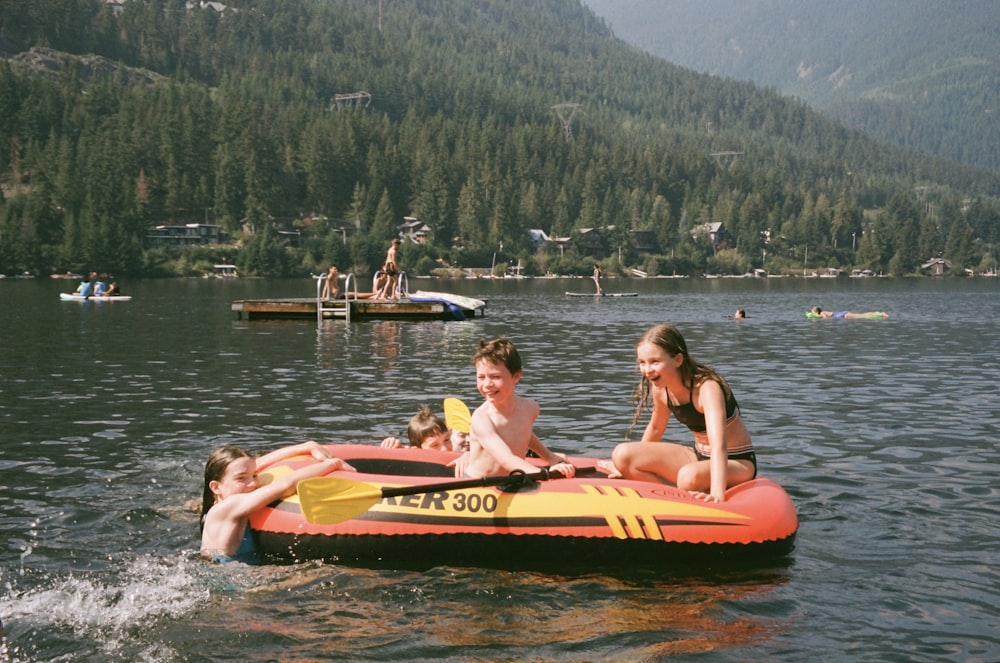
[817,312]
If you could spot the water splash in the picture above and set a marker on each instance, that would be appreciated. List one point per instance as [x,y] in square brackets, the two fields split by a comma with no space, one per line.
[116,614]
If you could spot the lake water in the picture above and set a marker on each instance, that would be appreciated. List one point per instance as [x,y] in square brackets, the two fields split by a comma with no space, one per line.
[884,432]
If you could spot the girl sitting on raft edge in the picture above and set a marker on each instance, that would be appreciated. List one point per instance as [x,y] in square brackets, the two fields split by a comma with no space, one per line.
[722,455]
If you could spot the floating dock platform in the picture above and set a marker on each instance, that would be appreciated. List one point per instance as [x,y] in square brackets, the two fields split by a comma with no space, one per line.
[417,306]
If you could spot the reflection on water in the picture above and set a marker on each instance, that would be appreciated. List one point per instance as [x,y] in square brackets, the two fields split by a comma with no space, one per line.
[164,609]
[883,432]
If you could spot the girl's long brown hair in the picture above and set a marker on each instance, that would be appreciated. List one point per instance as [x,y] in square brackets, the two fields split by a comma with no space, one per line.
[693,373]
[215,469]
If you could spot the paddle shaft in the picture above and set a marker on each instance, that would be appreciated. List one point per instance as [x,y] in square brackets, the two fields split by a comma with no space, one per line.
[331,500]
[512,478]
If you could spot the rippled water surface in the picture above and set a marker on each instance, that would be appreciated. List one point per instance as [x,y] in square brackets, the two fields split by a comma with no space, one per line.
[884,432]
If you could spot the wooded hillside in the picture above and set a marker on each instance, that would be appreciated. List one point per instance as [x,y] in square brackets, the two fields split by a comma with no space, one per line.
[921,73]
[233,117]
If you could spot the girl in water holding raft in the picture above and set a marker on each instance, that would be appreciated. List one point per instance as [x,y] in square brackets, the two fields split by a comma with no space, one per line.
[233,491]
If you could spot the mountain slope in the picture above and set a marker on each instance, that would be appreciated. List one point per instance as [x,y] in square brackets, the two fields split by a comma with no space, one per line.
[920,73]
[459,130]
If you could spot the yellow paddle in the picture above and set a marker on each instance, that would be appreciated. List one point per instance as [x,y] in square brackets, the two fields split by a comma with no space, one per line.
[332,500]
[456,415]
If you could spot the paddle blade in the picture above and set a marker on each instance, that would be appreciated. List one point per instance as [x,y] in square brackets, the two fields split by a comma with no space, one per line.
[330,500]
[456,415]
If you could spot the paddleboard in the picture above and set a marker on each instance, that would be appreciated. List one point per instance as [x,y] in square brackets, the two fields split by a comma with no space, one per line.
[606,294]
[68,296]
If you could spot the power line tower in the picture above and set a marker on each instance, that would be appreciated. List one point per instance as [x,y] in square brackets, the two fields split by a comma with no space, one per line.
[727,158]
[354,99]
[565,113]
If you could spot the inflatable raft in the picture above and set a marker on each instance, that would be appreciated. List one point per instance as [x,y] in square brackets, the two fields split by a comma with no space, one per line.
[588,520]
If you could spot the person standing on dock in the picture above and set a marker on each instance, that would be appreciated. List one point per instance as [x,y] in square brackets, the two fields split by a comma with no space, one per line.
[597,278]
[391,269]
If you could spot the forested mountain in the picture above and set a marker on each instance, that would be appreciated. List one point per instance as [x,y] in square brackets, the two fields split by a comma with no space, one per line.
[923,73]
[482,118]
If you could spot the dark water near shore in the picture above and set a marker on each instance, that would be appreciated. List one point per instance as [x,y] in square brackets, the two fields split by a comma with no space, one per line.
[883,431]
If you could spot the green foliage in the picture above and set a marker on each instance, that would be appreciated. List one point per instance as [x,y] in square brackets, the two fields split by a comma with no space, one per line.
[231,118]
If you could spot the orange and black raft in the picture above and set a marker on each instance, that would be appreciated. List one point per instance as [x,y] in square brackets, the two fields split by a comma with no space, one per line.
[404,507]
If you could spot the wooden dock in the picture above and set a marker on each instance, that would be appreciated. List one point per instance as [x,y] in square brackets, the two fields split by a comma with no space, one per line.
[304,308]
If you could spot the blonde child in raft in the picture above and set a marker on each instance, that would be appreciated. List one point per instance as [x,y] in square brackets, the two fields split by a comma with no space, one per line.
[722,455]
[232,492]
[501,432]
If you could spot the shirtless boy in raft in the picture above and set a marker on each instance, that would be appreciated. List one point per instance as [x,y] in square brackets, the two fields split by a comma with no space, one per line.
[501,428]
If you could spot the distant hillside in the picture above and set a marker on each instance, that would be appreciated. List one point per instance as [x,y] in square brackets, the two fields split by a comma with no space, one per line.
[484,120]
[919,73]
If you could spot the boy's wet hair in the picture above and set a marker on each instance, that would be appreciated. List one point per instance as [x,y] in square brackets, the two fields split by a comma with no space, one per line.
[422,425]
[499,351]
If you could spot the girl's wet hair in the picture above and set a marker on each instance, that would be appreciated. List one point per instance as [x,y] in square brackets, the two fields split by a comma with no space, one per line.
[499,351]
[215,468]
[693,373]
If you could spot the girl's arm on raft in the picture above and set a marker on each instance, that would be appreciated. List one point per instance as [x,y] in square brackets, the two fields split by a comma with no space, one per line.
[243,504]
[311,448]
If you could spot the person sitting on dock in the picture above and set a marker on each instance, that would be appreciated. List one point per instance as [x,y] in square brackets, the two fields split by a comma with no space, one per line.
[331,287]
[817,312]
[378,283]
